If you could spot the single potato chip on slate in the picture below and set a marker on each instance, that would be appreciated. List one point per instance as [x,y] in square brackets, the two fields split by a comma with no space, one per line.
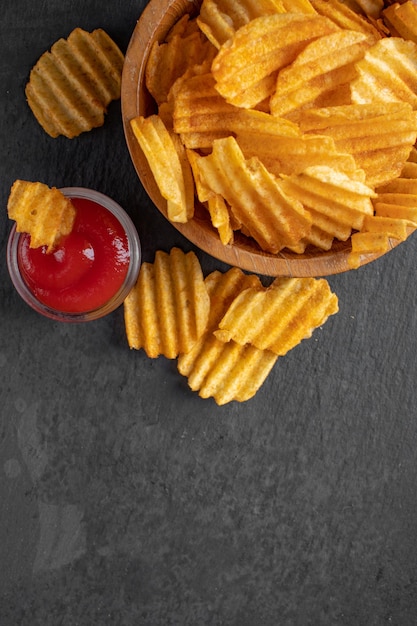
[167,310]
[71,86]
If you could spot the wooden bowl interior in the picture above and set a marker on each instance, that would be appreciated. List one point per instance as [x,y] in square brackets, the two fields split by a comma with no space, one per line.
[154,24]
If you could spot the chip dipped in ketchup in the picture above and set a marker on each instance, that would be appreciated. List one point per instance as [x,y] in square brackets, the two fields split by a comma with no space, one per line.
[89,272]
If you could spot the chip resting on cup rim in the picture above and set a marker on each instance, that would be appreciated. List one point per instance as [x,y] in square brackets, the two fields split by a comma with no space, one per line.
[41,211]
[167,310]
[71,86]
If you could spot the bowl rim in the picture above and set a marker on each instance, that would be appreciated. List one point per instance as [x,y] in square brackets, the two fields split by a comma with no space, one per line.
[153,24]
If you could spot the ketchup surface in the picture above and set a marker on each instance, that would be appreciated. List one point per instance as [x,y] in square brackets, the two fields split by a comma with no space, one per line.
[86,269]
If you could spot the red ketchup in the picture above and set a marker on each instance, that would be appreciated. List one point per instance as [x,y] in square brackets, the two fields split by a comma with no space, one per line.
[87,268]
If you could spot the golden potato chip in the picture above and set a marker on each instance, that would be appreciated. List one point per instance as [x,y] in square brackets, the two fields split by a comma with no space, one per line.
[42,212]
[390,221]
[167,310]
[225,371]
[337,202]
[223,288]
[348,17]
[366,243]
[201,115]
[280,317]
[229,372]
[71,86]
[171,59]
[378,135]
[398,199]
[293,154]
[387,73]
[198,111]
[393,227]
[402,19]
[257,199]
[325,66]
[246,66]
[220,19]
[220,218]
[214,23]
[169,164]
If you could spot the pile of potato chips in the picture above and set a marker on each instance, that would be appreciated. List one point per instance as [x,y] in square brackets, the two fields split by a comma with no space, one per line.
[226,330]
[292,122]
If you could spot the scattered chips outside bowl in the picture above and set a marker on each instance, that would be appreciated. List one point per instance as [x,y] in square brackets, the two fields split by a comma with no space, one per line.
[243,104]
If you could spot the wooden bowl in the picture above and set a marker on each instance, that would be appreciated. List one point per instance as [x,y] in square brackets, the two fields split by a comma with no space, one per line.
[154,24]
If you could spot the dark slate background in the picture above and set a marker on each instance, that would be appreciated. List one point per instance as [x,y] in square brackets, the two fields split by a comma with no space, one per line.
[125,499]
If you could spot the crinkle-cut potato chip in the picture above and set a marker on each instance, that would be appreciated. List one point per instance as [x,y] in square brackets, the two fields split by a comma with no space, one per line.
[220,218]
[71,86]
[387,73]
[246,66]
[257,199]
[323,68]
[280,317]
[401,19]
[366,243]
[347,17]
[41,211]
[337,202]
[223,288]
[167,310]
[228,371]
[393,227]
[398,199]
[220,19]
[169,60]
[201,115]
[395,217]
[225,371]
[169,165]
[378,135]
[284,155]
